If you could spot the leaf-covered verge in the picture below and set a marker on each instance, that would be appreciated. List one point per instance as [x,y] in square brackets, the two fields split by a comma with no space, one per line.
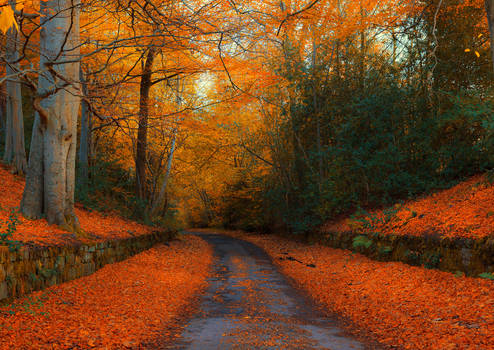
[137,303]
[97,226]
[403,306]
[464,210]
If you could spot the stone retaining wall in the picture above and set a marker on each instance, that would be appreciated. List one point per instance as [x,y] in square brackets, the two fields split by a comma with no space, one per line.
[31,269]
[469,256]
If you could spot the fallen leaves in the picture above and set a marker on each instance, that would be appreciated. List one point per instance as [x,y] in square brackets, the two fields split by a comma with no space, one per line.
[99,226]
[462,211]
[403,306]
[135,303]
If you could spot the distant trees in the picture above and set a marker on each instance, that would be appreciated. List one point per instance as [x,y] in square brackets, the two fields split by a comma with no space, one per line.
[357,128]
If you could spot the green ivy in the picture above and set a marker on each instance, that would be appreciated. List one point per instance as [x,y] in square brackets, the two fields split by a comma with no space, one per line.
[362,241]
[385,250]
[487,275]
[8,229]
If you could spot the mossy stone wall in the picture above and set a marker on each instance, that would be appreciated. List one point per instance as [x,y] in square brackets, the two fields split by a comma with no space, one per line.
[31,269]
[469,256]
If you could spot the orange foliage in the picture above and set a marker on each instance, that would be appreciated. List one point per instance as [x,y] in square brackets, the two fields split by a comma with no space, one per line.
[129,304]
[462,211]
[98,226]
[403,306]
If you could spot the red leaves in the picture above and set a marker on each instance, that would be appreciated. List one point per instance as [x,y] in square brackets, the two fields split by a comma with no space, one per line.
[462,211]
[100,227]
[123,305]
[404,306]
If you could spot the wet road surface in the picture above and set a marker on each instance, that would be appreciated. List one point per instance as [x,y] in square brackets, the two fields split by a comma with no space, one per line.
[250,305]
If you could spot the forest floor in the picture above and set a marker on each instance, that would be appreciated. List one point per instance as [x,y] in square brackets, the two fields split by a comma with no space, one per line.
[250,305]
[401,306]
[464,210]
[137,303]
[97,226]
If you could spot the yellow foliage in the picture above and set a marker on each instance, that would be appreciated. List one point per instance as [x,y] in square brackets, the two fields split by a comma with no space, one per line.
[7,19]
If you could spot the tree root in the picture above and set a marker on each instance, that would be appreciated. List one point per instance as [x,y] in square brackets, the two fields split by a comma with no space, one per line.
[71,224]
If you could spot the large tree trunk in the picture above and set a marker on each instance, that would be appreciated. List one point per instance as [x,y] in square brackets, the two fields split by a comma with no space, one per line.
[15,151]
[489,8]
[142,131]
[84,143]
[50,178]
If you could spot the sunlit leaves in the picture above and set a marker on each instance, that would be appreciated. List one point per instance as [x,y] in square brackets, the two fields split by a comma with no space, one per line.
[7,19]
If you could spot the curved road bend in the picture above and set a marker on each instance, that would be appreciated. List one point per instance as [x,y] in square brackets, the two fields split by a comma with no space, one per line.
[250,305]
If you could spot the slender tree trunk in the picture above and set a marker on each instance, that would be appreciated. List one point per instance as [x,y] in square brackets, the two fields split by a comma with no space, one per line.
[3,114]
[15,151]
[142,131]
[489,8]
[362,49]
[50,178]
[7,155]
[317,114]
[85,136]
[160,199]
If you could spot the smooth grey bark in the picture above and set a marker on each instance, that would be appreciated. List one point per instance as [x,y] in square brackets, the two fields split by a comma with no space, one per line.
[15,150]
[50,180]
[7,155]
[84,142]
[489,8]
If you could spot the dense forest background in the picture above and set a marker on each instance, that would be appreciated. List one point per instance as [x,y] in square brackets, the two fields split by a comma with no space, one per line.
[283,118]
[371,121]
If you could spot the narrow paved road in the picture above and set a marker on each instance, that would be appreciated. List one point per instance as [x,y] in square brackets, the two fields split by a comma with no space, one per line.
[250,305]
